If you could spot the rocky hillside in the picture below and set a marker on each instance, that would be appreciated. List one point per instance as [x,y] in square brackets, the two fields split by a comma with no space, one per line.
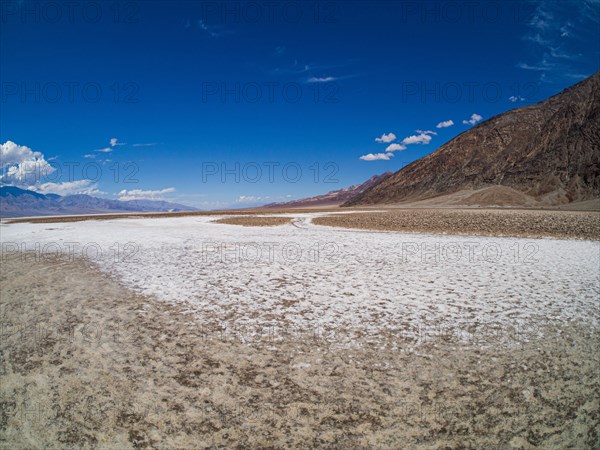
[544,154]
[332,198]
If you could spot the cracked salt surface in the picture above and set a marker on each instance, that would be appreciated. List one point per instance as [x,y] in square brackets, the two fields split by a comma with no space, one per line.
[337,281]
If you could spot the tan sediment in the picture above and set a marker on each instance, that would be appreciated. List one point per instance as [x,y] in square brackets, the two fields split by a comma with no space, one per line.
[255,221]
[489,222]
[97,366]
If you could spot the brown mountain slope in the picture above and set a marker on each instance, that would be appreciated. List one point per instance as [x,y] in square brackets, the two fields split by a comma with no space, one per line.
[548,151]
[332,198]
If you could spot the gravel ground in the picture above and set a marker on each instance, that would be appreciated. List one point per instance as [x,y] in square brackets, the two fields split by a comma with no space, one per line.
[500,222]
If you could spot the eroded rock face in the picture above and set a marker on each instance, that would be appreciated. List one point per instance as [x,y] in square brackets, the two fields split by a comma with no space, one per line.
[549,151]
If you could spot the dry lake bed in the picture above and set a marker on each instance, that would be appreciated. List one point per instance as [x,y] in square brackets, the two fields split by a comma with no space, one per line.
[184,332]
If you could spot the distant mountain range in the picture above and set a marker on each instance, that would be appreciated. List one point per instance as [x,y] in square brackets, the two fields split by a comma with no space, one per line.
[547,154]
[332,198]
[16,202]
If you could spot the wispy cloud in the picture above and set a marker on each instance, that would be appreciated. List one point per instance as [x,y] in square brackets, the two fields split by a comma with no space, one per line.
[150,144]
[321,79]
[542,67]
[563,39]
[251,199]
[311,72]
[140,194]
[213,31]
[206,28]
[77,187]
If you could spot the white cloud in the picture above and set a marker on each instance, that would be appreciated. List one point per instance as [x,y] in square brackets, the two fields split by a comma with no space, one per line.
[86,187]
[422,138]
[16,154]
[321,79]
[395,147]
[386,138]
[27,169]
[89,156]
[22,165]
[473,120]
[139,194]
[427,132]
[445,124]
[114,142]
[515,99]
[377,157]
[104,150]
[250,199]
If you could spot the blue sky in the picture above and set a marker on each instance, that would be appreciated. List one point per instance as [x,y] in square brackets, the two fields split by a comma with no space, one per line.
[300,90]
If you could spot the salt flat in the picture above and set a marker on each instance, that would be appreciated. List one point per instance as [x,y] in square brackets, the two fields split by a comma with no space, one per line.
[336,281]
[323,337]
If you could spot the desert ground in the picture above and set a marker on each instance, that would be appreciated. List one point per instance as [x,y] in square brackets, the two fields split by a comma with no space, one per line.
[578,221]
[303,329]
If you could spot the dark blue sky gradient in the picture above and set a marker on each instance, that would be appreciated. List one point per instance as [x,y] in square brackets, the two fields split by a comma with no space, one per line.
[375,66]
